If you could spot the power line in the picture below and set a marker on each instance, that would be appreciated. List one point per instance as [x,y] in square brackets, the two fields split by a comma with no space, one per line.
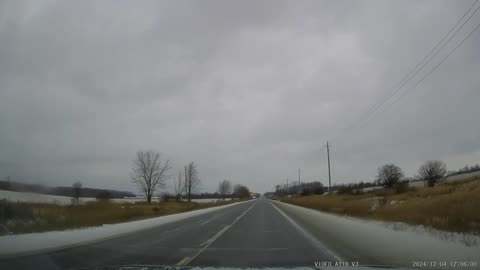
[410,75]
[423,62]
[418,67]
[428,61]
[417,83]
[445,36]
[376,108]
[436,66]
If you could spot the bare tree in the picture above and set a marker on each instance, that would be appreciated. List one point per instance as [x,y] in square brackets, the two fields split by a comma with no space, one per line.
[224,188]
[149,172]
[432,170]
[192,181]
[241,192]
[389,175]
[76,192]
[179,186]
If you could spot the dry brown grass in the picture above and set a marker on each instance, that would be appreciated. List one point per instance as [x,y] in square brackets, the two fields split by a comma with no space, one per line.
[48,217]
[451,207]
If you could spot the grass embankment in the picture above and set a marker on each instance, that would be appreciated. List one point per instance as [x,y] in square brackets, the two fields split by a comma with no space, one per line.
[450,207]
[16,217]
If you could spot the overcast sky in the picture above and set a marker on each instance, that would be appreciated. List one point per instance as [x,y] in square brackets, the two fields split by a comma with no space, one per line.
[250,90]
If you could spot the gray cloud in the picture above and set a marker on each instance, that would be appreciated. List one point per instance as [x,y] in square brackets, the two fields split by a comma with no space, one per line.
[251,90]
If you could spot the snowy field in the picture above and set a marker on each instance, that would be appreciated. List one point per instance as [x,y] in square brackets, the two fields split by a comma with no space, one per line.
[35,197]
[63,200]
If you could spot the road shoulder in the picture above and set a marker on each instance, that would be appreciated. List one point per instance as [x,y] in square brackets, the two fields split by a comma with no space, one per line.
[375,243]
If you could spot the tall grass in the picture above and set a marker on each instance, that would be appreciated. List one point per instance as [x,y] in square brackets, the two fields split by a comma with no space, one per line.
[450,207]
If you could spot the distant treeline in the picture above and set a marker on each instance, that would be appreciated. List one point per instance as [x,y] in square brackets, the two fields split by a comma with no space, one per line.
[63,191]
[207,195]
[343,188]
[304,188]
[204,195]
[466,169]
[309,188]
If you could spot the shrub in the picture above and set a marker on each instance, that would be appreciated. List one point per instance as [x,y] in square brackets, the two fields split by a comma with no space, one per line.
[166,198]
[401,187]
[15,210]
[432,171]
[358,192]
[344,189]
[389,175]
[306,192]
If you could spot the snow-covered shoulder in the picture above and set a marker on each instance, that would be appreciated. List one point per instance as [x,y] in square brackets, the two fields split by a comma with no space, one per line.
[384,243]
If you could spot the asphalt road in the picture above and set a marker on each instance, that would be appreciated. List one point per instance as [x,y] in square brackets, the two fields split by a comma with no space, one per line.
[254,234]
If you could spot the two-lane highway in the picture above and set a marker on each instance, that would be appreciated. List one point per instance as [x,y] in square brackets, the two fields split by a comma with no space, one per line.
[254,234]
[262,237]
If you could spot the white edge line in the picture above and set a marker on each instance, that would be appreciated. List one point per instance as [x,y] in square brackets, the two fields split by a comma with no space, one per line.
[308,235]
[216,236]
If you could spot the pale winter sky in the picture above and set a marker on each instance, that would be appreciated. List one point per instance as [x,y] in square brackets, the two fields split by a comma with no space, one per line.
[250,90]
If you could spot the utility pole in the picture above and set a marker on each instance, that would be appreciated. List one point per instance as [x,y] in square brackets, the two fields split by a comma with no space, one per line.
[187,185]
[299,189]
[299,177]
[287,186]
[329,178]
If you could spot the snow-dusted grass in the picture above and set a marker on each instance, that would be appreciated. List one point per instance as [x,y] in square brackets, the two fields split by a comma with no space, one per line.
[452,206]
[375,242]
[36,242]
[26,217]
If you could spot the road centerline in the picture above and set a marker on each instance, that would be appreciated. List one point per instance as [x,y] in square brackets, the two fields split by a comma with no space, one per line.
[206,221]
[207,243]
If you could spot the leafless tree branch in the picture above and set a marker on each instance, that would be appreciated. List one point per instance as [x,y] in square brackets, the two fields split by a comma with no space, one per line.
[224,188]
[149,172]
[389,174]
[192,181]
[76,192]
[179,186]
[432,170]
